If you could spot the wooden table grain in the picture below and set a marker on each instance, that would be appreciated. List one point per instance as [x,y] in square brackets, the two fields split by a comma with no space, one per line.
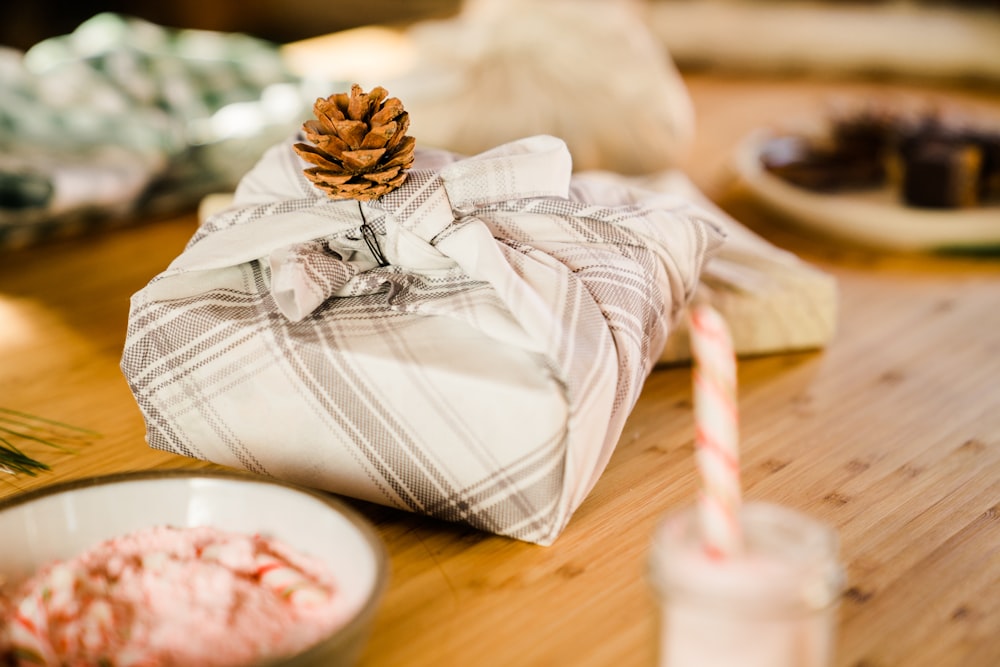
[891,434]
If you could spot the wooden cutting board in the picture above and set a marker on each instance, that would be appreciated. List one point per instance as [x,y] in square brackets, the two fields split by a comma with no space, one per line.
[773,301]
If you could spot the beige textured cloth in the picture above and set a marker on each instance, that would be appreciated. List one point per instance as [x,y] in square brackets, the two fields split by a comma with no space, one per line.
[481,373]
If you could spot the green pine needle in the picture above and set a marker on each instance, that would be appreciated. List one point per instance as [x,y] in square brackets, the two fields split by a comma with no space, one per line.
[20,428]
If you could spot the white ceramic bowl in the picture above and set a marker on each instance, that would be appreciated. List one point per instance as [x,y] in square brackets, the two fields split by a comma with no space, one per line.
[62,520]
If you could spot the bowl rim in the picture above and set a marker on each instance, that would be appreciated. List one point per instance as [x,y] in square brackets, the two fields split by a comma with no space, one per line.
[361,617]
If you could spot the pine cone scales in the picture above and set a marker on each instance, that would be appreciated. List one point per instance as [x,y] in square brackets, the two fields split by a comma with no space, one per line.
[359,144]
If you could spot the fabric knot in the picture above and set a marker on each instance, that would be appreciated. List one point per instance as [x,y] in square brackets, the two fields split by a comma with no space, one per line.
[304,275]
[432,199]
[316,248]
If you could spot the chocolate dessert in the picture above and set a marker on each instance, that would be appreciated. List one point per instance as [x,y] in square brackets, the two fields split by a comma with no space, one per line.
[932,162]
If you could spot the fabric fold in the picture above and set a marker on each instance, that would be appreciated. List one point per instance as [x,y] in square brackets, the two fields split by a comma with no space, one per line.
[305,275]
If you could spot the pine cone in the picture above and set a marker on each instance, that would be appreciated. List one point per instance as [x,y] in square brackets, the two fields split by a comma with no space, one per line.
[359,144]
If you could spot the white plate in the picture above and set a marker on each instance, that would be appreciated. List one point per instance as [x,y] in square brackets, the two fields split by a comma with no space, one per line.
[873,218]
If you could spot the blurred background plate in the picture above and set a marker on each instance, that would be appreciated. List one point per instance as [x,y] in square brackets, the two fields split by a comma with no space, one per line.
[874,218]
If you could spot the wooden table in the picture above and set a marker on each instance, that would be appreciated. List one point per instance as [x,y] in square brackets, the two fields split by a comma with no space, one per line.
[891,434]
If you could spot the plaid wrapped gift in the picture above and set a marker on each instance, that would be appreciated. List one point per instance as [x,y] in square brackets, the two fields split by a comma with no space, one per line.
[468,346]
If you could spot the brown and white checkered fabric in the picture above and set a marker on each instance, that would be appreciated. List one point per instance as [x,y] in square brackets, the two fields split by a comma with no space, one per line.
[483,374]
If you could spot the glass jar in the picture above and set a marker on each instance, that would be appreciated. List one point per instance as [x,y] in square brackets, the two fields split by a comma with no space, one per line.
[772,605]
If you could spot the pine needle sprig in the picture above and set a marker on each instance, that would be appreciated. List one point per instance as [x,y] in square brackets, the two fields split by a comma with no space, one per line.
[19,428]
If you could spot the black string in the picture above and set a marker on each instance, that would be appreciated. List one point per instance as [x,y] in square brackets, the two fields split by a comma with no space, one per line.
[371,240]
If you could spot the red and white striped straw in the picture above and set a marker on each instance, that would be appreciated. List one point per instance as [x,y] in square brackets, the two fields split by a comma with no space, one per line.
[716,431]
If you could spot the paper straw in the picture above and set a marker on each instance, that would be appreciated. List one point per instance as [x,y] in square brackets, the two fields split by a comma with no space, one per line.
[716,431]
